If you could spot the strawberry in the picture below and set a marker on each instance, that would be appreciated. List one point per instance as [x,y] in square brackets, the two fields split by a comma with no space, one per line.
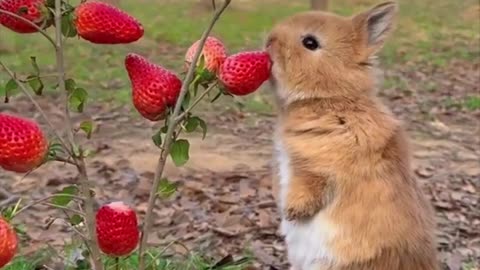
[31,10]
[103,23]
[245,72]
[214,54]
[154,88]
[117,230]
[8,242]
[23,145]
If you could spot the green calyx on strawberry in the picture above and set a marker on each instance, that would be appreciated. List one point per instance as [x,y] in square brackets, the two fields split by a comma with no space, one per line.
[117,229]
[102,23]
[213,53]
[23,146]
[243,73]
[154,88]
[34,11]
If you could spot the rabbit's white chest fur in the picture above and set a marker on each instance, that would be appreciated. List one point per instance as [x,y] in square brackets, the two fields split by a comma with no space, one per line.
[306,242]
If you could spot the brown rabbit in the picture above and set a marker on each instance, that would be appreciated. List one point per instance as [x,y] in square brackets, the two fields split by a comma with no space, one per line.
[347,195]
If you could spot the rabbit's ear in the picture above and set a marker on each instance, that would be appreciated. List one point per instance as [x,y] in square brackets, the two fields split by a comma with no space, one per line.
[375,25]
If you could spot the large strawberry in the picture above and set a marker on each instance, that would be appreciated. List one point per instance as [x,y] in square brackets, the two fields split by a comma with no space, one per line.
[214,53]
[23,145]
[32,10]
[8,242]
[243,73]
[117,229]
[154,88]
[103,23]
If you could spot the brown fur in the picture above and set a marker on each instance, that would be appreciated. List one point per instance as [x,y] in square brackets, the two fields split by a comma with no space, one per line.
[349,155]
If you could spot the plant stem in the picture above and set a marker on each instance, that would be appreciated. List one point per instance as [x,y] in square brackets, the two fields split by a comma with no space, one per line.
[42,200]
[37,106]
[40,30]
[84,183]
[195,102]
[169,135]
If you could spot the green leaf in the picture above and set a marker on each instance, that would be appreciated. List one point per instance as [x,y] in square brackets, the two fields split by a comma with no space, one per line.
[87,127]
[164,129]
[179,152]
[11,85]
[166,188]
[63,200]
[157,138]
[76,219]
[78,98]
[36,84]
[203,126]
[10,89]
[68,26]
[70,85]
[33,60]
[186,100]
[191,124]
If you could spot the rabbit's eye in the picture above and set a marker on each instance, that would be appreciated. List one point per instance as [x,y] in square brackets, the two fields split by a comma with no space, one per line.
[310,42]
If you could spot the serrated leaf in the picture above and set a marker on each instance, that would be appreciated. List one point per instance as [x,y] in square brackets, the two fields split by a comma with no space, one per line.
[166,188]
[33,60]
[157,138]
[36,84]
[70,85]
[68,26]
[63,200]
[76,219]
[77,99]
[179,152]
[87,127]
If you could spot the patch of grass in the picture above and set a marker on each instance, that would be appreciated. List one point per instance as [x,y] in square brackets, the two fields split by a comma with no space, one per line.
[472,103]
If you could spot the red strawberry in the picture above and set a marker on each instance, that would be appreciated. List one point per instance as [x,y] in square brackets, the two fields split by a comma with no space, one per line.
[8,242]
[102,23]
[23,145]
[214,53]
[28,9]
[245,72]
[153,87]
[117,229]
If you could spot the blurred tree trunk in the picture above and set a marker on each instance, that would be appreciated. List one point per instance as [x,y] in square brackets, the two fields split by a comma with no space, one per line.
[319,4]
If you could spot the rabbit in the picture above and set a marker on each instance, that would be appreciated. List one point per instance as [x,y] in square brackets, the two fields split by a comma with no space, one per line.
[346,191]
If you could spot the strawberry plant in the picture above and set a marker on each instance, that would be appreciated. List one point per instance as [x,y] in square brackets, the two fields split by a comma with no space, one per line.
[111,233]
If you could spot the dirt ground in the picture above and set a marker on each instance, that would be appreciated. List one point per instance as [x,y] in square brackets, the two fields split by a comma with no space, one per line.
[224,204]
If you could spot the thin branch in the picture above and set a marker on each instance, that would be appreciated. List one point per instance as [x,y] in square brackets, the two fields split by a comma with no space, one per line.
[65,160]
[195,103]
[42,200]
[39,109]
[168,141]
[80,162]
[40,30]
[65,208]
